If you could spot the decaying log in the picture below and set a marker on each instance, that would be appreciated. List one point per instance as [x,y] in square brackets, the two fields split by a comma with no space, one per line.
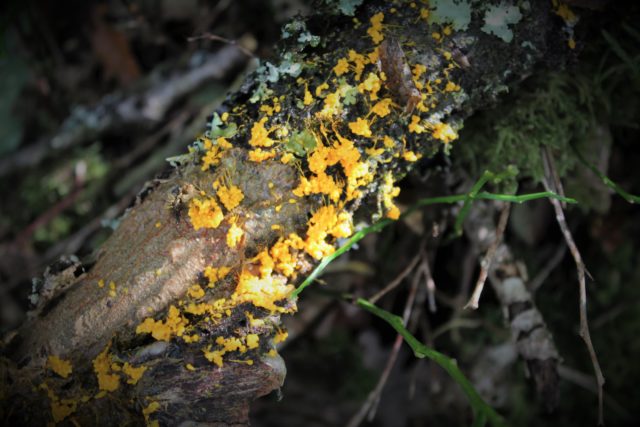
[322,134]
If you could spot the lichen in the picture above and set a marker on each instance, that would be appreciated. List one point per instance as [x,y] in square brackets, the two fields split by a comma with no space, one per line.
[498,18]
[455,12]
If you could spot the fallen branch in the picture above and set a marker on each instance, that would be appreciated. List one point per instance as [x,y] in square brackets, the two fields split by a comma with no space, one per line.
[177,320]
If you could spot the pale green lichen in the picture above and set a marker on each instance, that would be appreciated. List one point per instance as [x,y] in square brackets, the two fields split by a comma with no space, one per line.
[346,7]
[269,73]
[454,12]
[304,37]
[498,18]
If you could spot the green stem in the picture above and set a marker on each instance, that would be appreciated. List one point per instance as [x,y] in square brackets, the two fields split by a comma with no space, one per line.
[605,179]
[423,202]
[482,411]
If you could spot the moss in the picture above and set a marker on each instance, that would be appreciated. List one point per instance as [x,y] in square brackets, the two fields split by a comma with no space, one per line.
[546,113]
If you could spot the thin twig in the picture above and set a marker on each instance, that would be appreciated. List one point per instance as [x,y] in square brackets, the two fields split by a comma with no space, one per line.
[50,214]
[430,284]
[132,109]
[209,36]
[395,282]
[557,257]
[368,408]
[550,171]
[488,258]
[584,324]
[586,382]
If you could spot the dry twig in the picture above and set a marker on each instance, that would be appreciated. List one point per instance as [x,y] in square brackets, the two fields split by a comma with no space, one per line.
[485,264]
[573,248]
[368,408]
[395,282]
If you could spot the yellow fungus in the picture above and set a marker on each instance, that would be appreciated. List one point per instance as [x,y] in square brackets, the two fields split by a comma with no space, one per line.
[280,336]
[360,127]
[102,368]
[451,87]
[415,125]
[59,366]
[112,289]
[372,85]
[331,106]
[230,196]
[308,98]
[375,30]
[381,108]
[259,135]
[410,156]
[234,235]
[150,409]
[205,213]
[253,341]
[262,292]
[195,292]
[359,62]
[174,324]
[215,274]
[341,67]
[389,191]
[258,155]
[60,408]
[321,88]
[444,132]
[133,373]
[286,158]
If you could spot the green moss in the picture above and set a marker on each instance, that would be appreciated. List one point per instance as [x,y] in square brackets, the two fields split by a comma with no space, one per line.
[547,113]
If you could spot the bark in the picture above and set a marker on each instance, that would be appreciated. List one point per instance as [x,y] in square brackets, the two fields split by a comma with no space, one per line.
[156,255]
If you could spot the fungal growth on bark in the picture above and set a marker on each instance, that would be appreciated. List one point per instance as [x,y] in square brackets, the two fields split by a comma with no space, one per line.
[179,318]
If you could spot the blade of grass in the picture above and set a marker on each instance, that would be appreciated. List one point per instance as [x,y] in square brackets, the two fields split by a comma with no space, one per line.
[605,179]
[466,206]
[482,411]
[622,54]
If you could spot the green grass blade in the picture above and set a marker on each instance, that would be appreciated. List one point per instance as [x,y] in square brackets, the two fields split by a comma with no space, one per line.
[605,179]
[466,206]
[482,411]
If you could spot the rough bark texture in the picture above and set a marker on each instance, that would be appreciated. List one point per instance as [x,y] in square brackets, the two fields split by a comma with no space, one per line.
[156,256]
